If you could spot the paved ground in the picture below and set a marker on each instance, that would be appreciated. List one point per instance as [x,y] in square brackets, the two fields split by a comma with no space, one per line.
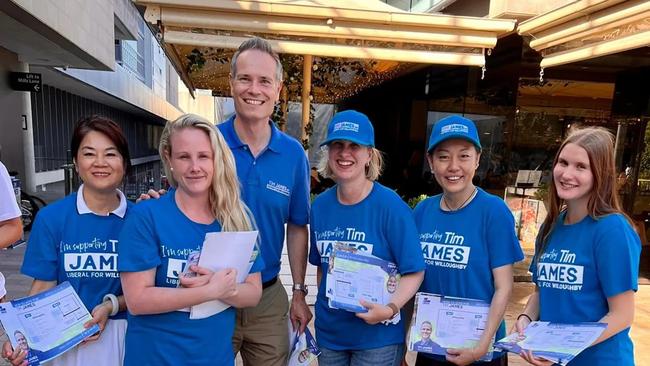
[18,285]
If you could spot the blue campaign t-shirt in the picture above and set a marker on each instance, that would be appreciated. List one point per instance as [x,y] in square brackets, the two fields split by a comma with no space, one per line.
[65,245]
[158,235]
[583,265]
[461,248]
[275,186]
[381,225]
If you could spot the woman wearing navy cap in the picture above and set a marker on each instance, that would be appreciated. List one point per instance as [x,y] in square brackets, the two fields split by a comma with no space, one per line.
[477,226]
[370,218]
[587,254]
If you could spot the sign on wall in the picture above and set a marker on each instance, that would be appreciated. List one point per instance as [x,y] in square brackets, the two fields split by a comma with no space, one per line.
[25,81]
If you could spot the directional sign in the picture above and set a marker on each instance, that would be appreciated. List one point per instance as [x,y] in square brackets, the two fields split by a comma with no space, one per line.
[25,81]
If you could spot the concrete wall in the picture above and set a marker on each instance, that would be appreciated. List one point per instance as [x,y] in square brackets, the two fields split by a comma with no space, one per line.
[89,24]
[12,106]
[124,85]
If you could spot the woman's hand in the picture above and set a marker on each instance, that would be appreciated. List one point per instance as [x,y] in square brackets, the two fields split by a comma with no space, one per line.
[464,356]
[376,313]
[528,356]
[15,357]
[520,327]
[222,284]
[100,316]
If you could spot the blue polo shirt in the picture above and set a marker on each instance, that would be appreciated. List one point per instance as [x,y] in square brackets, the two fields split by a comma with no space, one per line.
[275,186]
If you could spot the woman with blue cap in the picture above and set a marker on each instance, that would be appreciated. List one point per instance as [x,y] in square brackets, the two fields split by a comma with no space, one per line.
[365,216]
[476,227]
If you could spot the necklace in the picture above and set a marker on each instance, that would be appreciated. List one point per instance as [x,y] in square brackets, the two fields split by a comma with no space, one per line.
[462,204]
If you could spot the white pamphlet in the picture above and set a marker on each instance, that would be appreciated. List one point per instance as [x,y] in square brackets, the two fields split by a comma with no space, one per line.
[441,322]
[302,347]
[221,250]
[47,324]
[555,342]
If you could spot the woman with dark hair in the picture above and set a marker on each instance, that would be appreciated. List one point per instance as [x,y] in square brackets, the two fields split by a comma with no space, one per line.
[468,238]
[586,259]
[75,239]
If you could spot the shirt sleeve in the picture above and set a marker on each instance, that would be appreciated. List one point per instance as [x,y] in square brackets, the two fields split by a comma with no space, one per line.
[617,253]
[502,243]
[299,204]
[41,260]
[138,246]
[403,238]
[9,207]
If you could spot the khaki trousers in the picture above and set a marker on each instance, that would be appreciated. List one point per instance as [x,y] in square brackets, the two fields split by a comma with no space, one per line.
[262,332]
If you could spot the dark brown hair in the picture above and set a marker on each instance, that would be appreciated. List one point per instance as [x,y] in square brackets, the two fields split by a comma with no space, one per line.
[603,198]
[108,128]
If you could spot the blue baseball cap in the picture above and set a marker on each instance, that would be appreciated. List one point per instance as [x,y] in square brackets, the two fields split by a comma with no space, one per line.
[352,126]
[454,127]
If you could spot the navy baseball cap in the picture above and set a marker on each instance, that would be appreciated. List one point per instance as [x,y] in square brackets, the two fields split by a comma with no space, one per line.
[352,126]
[454,127]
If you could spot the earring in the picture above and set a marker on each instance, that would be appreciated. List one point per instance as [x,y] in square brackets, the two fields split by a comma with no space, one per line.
[171,169]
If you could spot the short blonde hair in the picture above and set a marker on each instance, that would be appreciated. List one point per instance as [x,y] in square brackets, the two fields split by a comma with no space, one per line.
[373,170]
[224,195]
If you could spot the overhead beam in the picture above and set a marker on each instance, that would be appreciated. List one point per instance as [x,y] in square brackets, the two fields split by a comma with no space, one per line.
[322,28]
[626,43]
[339,12]
[611,18]
[563,14]
[328,50]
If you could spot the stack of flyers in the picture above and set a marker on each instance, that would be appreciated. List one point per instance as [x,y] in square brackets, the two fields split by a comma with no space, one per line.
[353,277]
[442,322]
[556,342]
[303,349]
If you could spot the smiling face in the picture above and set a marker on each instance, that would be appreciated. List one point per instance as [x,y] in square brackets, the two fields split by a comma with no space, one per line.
[348,161]
[22,341]
[453,163]
[425,331]
[391,284]
[572,175]
[99,163]
[255,88]
[192,160]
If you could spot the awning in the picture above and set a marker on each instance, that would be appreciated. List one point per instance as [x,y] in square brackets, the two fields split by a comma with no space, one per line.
[588,29]
[364,41]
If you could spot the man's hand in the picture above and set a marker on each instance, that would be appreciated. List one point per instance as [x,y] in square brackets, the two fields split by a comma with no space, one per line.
[299,312]
[151,194]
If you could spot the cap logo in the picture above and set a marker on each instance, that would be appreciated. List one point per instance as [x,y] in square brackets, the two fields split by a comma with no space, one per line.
[455,127]
[346,126]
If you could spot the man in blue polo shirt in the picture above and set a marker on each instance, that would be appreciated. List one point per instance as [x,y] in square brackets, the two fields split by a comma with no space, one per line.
[274,173]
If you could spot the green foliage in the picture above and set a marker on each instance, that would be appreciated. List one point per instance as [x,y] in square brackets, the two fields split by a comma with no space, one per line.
[413,201]
[644,168]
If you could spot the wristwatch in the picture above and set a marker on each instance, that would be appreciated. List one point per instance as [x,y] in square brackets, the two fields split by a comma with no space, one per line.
[300,287]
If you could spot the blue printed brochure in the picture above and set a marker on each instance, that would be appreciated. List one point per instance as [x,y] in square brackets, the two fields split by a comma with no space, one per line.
[353,277]
[303,348]
[441,322]
[47,324]
[556,342]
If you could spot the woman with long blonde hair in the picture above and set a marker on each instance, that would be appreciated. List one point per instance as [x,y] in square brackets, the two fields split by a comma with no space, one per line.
[155,244]
[587,254]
